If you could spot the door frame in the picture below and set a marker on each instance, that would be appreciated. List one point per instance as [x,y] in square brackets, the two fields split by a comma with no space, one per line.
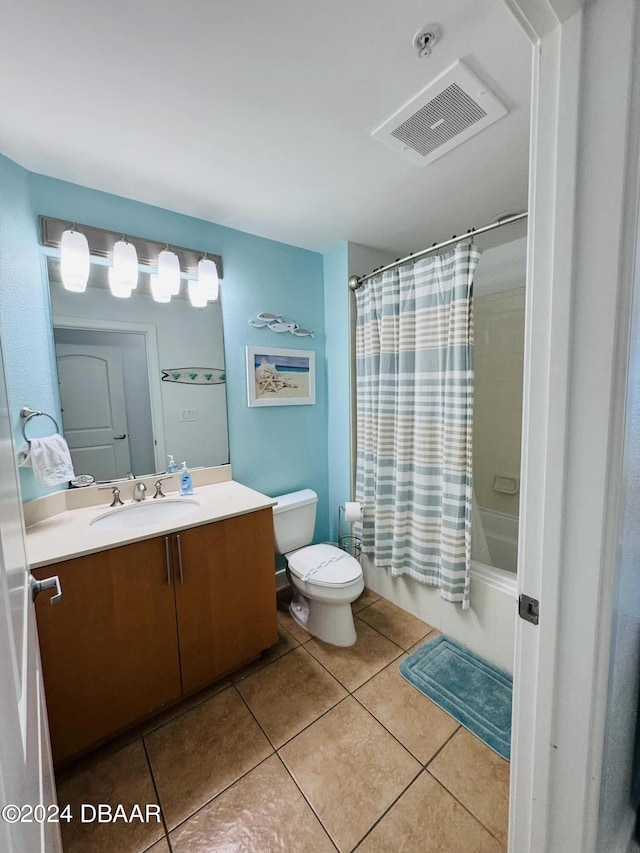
[153,368]
[580,230]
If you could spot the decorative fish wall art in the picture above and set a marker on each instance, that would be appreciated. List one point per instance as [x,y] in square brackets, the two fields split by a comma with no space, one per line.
[277,323]
[194,375]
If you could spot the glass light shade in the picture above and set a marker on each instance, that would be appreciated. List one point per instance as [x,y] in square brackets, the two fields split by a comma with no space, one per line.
[124,272]
[159,291]
[74,261]
[169,271]
[198,293]
[208,277]
[117,288]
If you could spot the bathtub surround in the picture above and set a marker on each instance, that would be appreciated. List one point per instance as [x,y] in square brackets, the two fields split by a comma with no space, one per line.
[497,413]
[499,532]
[414,362]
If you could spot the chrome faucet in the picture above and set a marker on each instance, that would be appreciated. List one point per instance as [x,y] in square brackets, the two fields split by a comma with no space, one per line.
[139,493]
[159,493]
[116,495]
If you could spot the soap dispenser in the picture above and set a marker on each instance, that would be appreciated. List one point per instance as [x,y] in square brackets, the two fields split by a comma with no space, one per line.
[171,465]
[186,484]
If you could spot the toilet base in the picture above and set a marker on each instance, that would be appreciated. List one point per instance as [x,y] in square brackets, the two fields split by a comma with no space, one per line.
[331,622]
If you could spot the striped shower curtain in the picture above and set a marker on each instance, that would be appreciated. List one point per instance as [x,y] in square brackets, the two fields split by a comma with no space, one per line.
[414,365]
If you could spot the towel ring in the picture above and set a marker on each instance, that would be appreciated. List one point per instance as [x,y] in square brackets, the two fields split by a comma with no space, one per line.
[28,414]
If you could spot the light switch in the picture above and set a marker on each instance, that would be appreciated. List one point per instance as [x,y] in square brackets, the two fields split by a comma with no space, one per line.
[188,414]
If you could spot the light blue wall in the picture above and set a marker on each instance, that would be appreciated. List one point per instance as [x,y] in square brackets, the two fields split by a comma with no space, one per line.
[274,450]
[24,312]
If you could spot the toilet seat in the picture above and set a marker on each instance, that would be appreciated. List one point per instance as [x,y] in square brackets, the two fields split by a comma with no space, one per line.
[324,565]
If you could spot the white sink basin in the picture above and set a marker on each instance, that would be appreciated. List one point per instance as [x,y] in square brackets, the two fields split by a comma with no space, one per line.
[144,513]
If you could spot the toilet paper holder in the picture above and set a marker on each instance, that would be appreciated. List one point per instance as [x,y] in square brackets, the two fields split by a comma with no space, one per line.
[348,541]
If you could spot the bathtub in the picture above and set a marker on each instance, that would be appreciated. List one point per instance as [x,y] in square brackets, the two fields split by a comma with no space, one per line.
[501,534]
[487,628]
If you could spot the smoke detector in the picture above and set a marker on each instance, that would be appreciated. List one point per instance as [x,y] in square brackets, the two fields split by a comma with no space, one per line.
[451,109]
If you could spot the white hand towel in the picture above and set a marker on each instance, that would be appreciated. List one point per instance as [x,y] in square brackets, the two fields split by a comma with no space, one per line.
[50,459]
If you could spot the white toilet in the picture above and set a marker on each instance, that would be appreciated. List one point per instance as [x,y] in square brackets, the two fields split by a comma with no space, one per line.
[325,579]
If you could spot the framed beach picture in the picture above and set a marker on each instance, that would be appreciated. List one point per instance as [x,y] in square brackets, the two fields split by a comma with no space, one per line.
[280,377]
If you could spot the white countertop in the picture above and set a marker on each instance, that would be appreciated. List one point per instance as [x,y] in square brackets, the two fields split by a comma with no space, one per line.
[69,534]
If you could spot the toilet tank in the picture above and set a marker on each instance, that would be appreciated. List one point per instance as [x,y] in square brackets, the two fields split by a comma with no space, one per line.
[294,520]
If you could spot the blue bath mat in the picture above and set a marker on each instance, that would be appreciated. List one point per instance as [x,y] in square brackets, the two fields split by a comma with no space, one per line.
[472,690]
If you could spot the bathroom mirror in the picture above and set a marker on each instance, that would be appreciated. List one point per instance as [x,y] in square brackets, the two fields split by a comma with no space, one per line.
[138,379]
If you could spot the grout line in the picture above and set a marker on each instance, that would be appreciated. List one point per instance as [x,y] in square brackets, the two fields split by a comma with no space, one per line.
[264,665]
[397,740]
[388,809]
[157,793]
[466,808]
[231,784]
[373,628]
[293,779]
[223,791]
[323,714]
[254,718]
[185,710]
[451,736]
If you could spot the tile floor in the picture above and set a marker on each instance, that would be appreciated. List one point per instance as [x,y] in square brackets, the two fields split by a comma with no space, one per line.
[310,749]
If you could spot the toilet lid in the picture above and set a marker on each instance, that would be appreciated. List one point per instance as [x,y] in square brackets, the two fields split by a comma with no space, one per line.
[325,565]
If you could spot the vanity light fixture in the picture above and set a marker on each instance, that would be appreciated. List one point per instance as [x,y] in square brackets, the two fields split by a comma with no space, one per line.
[208,277]
[169,271]
[125,257]
[123,275]
[159,290]
[117,288]
[198,293]
[74,260]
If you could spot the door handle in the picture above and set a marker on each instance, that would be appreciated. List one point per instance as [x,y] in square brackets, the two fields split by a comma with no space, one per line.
[120,436]
[167,558]
[180,558]
[48,583]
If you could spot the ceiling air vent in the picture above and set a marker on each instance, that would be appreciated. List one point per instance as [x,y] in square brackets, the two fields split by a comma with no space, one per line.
[450,110]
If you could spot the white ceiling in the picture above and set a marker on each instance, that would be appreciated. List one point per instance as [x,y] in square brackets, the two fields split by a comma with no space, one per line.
[258,115]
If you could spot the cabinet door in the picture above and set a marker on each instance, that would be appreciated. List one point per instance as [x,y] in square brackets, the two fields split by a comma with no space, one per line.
[109,646]
[226,603]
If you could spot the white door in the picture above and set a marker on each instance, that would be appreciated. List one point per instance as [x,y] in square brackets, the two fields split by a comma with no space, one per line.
[94,411]
[26,775]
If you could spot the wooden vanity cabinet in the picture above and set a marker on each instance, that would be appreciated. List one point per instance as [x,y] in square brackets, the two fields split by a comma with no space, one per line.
[108,647]
[140,625]
[225,595]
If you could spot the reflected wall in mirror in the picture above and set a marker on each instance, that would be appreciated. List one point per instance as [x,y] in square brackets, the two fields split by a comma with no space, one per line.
[118,416]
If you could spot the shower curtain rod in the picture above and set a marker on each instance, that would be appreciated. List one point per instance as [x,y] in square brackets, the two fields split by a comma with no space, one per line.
[357,281]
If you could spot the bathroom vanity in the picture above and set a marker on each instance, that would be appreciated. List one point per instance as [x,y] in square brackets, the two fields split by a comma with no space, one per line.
[149,615]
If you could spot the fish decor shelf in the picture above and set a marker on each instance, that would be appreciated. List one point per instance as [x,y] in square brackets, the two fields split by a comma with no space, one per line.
[194,375]
[277,323]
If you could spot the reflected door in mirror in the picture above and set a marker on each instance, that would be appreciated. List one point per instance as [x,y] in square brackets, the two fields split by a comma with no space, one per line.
[93,409]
